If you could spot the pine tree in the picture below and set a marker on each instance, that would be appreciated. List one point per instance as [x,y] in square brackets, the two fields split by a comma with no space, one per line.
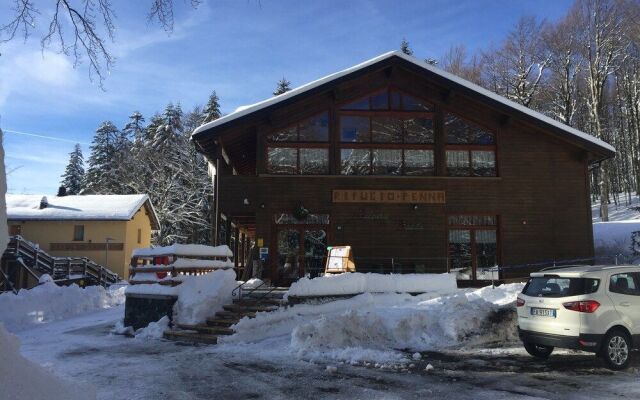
[62,191]
[283,86]
[135,127]
[404,47]
[168,131]
[102,174]
[73,176]
[212,109]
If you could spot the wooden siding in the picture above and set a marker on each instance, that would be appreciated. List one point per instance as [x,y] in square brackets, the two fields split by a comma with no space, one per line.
[540,194]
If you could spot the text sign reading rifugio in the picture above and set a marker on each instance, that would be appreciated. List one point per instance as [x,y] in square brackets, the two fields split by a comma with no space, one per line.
[389,196]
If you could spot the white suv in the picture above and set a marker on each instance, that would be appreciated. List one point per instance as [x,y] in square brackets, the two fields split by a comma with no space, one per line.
[590,308]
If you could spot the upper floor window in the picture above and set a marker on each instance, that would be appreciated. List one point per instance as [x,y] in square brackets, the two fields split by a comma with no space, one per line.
[78,233]
[470,149]
[300,149]
[315,129]
[389,100]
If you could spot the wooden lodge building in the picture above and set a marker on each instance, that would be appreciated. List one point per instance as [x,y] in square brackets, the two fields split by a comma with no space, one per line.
[416,169]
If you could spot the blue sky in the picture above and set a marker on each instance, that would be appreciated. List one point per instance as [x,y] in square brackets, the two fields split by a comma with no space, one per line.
[239,48]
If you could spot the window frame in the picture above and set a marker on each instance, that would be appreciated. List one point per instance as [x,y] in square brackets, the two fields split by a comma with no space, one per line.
[75,233]
[297,145]
[472,232]
[469,148]
[371,146]
[636,280]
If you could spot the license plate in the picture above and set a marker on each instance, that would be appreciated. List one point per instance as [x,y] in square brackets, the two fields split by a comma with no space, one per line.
[543,312]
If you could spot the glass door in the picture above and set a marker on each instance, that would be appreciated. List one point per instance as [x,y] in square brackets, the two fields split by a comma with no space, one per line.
[473,247]
[288,253]
[315,251]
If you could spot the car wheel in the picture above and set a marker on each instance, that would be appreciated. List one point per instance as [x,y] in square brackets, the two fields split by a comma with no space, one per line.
[538,350]
[616,350]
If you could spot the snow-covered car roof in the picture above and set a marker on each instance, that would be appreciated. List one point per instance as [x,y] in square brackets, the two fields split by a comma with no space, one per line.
[81,207]
[243,111]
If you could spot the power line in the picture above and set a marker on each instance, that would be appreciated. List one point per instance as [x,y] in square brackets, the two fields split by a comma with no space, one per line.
[59,139]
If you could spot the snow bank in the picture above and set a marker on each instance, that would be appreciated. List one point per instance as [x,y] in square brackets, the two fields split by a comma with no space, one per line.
[355,283]
[185,250]
[379,327]
[611,238]
[202,296]
[48,302]
[154,330]
[23,379]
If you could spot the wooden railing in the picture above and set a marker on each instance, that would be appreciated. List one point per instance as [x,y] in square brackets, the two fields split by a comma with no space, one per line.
[60,268]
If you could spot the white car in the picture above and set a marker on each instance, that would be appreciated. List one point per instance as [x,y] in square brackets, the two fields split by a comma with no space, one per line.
[590,308]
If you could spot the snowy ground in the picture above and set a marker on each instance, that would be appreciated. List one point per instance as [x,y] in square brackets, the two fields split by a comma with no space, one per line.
[82,348]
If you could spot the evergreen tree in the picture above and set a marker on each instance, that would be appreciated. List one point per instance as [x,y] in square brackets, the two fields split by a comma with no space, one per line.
[134,129]
[404,47]
[102,174]
[62,191]
[283,86]
[170,129]
[212,109]
[73,177]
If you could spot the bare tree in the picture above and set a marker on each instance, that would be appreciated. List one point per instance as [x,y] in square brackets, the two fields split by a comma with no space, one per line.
[80,29]
[458,62]
[603,48]
[561,91]
[516,68]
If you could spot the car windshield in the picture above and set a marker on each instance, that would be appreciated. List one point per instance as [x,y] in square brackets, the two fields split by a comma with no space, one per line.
[554,286]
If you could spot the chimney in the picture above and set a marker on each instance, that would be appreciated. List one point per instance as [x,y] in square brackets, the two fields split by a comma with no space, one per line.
[44,202]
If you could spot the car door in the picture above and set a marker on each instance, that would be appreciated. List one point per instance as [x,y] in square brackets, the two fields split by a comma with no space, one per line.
[624,292]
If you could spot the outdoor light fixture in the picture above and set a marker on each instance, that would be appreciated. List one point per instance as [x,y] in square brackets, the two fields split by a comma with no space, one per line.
[246,202]
[414,206]
[262,205]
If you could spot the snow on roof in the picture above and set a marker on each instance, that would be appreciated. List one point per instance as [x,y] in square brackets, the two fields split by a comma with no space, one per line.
[85,207]
[245,110]
[184,250]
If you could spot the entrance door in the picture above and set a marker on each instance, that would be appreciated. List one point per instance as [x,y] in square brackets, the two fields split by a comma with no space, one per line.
[473,247]
[300,251]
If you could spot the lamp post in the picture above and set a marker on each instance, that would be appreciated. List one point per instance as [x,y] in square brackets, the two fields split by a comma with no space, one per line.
[106,250]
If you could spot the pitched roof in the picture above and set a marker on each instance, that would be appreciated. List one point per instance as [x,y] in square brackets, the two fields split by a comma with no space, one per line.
[566,130]
[78,208]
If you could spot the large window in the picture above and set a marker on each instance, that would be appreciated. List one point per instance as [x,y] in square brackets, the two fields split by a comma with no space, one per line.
[300,149]
[470,149]
[473,246]
[388,133]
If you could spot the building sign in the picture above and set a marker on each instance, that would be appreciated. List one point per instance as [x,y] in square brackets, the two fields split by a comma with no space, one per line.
[389,196]
[85,246]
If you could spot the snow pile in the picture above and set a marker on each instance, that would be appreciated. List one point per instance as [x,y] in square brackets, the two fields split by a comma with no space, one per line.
[48,302]
[379,327]
[202,296]
[613,238]
[154,330]
[199,250]
[23,379]
[356,283]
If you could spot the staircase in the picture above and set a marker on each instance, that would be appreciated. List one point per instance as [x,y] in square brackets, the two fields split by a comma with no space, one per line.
[264,299]
[24,262]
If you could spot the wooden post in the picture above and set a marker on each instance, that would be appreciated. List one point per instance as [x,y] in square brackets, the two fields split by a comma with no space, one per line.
[68,268]
[236,247]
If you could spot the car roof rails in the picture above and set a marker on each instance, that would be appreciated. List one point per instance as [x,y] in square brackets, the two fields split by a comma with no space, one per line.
[563,267]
